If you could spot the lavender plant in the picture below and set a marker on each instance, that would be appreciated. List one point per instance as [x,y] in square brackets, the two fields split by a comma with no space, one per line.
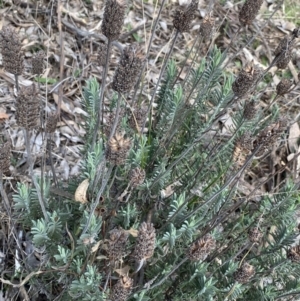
[157,211]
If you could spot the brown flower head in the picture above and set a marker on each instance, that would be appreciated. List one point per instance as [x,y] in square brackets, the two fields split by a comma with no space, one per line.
[183,17]
[201,248]
[244,273]
[283,87]
[294,254]
[38,62]
[249,11]
[117,149]
[51,122]
[242,147]
[137,176]
[137,118]
[268,136]
[255,235]
[145,243]
[122,289]
[11,49]
[130,65]
[28,108]
[109,121]
[283,52]
[5,154]
[113,18]
[245,81]
[117,243]
[207,27]
[249,110]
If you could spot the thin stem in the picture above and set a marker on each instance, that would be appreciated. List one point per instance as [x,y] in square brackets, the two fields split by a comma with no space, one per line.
[160,77]
[253,86]
[297,293]
[148,51]
[184,63]
[17,82]
[183,155]
[115,124]
[233,39]
[49,147]
[99,172]
[35,183]
[229,182]
[100,192]
[254,36]
[106,282]
[169,274]
[4,195]
[101,101]
[43,134]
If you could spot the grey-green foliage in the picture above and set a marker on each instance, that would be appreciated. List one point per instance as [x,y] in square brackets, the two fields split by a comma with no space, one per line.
[90,104]
[92,232]
[92,161]
[45,233]
[26,202]
[138,156]
[190,190]
[87,286]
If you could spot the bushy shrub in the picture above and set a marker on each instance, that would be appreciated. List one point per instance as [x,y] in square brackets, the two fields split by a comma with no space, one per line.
[160,209]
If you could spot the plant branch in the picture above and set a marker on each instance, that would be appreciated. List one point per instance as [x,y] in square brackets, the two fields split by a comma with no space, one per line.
[4,195]
[101,100]
[96,203]
[160,77]
[36,185]
[115,124]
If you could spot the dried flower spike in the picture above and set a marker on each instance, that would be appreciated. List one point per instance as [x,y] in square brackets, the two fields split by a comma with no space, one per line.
[117,243]
[117,149]
[283,87]
[249,11]
[38,62]
[5,154]
[249,110]
[51,122]
[244,81]
[145,243]
[11,49]
[207,27]
[294,254]
[137,176]
[283,52]
[267,137]
[246,141]
[244,273]
[183,17]
[200,249]
[128,69]
[109,121]
[113,18]
[137,118]
[122,289]
[255,235]
[242,147]
[28,108]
